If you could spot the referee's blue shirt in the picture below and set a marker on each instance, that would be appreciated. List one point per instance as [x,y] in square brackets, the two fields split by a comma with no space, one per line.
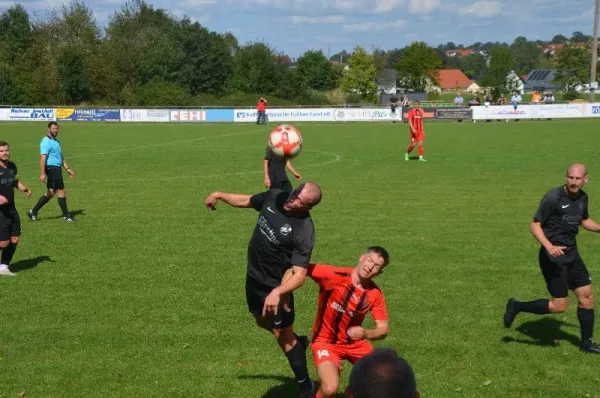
[51,148]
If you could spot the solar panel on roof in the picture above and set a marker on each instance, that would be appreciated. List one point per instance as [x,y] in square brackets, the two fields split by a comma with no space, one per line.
[544,75]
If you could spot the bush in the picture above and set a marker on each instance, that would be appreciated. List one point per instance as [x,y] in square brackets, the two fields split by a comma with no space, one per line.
[571,95]
[336,96]
[158,92]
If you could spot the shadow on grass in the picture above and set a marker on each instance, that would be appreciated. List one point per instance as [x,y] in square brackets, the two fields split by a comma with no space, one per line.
[287,386]
[74,214]
[545,332]
[24,265]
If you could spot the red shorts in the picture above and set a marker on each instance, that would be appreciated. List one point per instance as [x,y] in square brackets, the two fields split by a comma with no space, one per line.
[419,136]
[323,352]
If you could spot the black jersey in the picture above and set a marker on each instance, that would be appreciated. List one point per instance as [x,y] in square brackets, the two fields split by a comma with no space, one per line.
[8,176]
[279,241]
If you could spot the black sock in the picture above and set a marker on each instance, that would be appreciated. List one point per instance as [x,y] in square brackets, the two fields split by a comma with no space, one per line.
[534,307]
[43,200]
[297,358]
[62,202]
[8,253]
[586,322]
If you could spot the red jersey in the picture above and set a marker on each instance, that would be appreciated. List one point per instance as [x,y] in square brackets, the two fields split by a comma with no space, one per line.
[341,304]
[415,116]
[261,107]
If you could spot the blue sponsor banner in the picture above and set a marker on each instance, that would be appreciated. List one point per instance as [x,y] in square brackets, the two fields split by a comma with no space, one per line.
[219,115]
[89,115]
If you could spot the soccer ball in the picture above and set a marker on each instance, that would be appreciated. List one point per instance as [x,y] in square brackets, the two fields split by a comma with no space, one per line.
[285,141]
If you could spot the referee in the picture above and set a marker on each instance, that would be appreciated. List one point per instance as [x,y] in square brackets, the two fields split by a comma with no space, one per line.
[555,226]
[51,161]
[274,171]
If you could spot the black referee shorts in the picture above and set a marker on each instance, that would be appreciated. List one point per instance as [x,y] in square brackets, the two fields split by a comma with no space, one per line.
[256,293]
[563,276]
[283,185]
[10,222]
[54,178]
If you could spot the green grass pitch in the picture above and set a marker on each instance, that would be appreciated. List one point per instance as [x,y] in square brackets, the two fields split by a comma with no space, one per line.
[144,295]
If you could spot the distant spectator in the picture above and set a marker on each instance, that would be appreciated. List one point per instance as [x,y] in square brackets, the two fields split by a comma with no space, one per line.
[489,99]
[405,102]
[536,97]
[382,374]
[261,110]
[459,100]
[474,101]
[501,100]
[393,107]
[516,99]
[549,98]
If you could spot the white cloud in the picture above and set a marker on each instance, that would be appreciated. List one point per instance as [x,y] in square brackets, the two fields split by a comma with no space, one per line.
[353,6]
[328,19]
[201,19]
[482,8]
[196,3]
[424,6]
[373,26]
[584,16]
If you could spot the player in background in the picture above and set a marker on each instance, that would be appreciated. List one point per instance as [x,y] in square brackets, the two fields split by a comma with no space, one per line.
[417,134]
[346,295]
[283,238]
[10,222]
[274,172]
[51,163]
[394,108]
[555,226]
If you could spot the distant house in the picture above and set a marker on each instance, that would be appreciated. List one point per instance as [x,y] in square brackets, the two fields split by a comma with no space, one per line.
[464,53]
[540,80]
[514,83]
[453,79]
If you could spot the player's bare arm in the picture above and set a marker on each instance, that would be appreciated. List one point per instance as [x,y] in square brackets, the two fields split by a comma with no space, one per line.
[590,225]
[232,199]
[43,168]
[378,333]
[536,230]
[23,188]
[67,168]
[3,200]
[291,168]
[266,173]
[293,279]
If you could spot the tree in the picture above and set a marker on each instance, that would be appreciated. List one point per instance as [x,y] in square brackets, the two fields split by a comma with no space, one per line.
[257,69]
[501,64]
[559,39]
[527,55]
[418,67]
[360,77]
[15,32]
[573,64]
[342,57]
[315,71]
[474,65]
[380,58]
[579,37]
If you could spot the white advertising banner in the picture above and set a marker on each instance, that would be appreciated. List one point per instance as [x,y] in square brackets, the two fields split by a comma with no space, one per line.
[365,114]
[188,115]
[549,111]
[592,110]
[145,115]
[4,114]
[32,114]
[286,115]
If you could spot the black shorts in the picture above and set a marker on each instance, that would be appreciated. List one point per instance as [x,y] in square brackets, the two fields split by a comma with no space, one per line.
[562,276]
[54,178]
[283,185]
[256,293]
[10,222]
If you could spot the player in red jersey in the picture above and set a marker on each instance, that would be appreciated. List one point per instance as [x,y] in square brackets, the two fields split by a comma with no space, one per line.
[417,134]
[346,296]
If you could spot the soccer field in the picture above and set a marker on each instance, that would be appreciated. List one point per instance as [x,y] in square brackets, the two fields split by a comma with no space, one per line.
[144,295]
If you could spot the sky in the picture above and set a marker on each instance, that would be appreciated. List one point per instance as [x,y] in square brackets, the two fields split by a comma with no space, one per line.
[295,26]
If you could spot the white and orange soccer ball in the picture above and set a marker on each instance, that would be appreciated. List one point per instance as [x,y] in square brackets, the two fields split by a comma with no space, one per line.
[285,141]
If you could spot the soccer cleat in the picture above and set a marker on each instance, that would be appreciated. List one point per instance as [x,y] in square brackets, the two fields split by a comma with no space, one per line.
[422,160]
[307,389]
[589,347]
[6,272]
[69,218]
[406,157]
[511,313]
[32,216]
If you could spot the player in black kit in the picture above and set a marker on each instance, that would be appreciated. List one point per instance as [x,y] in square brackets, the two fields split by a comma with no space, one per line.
[283,238]
[10,222]
[555,225]
[394,107]
[274,171]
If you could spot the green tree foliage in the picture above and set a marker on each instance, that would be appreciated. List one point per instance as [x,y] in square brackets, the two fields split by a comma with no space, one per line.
[474,65]
[502,62]
[573,64]
[360,76]
[315,72]
[418,67]
[527,55]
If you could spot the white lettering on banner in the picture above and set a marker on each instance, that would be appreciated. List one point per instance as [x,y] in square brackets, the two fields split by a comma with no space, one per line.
[188,115]
[364,114]
[285,115]
[549,111]
[45,114]
[144,115]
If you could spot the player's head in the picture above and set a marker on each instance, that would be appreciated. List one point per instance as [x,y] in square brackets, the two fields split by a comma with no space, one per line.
[303,198]
[53,129]
[576,177]
[4,151]
[417,104]
[372,263]
[382,374]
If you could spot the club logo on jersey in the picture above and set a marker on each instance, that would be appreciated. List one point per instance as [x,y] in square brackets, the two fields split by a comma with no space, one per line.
[286,229]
